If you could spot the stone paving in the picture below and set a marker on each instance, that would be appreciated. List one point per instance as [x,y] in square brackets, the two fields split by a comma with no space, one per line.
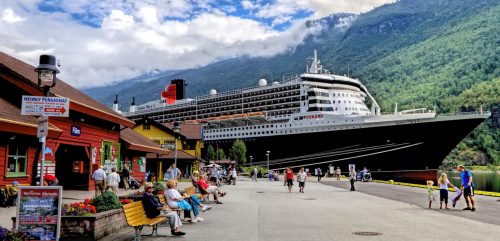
[266,211]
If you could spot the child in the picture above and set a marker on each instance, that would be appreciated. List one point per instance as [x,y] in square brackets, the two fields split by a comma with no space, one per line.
[430,192]
[443,190]
[301,178]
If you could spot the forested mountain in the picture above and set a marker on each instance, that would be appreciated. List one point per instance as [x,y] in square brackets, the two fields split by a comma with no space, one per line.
[425,53]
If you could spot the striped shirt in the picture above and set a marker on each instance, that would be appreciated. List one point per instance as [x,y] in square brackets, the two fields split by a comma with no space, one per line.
[99,175]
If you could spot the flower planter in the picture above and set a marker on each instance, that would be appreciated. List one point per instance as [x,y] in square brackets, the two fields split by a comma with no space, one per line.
[92,227]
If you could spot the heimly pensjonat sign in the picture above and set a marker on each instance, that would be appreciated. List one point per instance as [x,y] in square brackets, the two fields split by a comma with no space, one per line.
[46,106]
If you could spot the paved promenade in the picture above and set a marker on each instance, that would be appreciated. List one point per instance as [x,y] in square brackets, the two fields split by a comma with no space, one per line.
[266,211]
[488,208]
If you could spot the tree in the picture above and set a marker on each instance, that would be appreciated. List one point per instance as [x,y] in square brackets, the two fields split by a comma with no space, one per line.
[220,154]
[210,153]
[238,151]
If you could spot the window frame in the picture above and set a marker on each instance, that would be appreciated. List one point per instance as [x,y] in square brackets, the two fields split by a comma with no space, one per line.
[9,174]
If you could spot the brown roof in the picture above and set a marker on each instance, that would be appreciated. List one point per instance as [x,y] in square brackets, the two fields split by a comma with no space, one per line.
[190,131]
[180,155]
[61,89]
[137,142]
[10,116]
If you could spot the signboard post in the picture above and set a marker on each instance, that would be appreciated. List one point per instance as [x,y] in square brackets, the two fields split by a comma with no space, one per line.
[44,107]
[43,126]
[38,213]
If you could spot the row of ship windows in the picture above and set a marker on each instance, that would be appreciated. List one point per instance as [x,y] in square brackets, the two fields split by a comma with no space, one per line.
[271,126]
[334,94]
[336,109]
[249,101]
[269,132]
[320,101]
[274,90]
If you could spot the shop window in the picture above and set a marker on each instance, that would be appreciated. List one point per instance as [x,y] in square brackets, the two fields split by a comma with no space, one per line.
[17,160]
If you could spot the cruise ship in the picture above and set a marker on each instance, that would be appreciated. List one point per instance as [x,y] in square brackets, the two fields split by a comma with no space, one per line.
[318,119]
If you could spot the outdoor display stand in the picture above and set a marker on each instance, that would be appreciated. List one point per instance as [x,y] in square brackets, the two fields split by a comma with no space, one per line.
[38,213]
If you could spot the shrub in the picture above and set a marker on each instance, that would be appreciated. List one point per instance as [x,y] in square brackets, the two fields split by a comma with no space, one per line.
[106,201]
[157,186]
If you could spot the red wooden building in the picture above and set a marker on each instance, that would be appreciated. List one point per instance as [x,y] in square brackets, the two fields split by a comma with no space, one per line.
[76,144]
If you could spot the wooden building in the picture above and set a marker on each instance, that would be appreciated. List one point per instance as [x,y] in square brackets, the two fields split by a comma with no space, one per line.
[76,145]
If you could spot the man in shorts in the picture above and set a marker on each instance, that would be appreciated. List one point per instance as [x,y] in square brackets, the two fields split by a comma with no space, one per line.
[468,187]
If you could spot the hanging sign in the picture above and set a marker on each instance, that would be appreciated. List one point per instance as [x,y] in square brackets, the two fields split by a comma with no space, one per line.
[39,212]
[48,106]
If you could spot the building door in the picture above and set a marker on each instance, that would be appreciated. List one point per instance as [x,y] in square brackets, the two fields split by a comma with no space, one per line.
[72,167]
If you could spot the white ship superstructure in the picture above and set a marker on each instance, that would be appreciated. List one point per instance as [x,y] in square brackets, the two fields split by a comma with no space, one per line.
[319,118]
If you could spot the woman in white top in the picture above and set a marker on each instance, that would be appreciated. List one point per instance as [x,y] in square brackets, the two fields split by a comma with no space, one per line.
[443,190]
[301,178]
[176,200]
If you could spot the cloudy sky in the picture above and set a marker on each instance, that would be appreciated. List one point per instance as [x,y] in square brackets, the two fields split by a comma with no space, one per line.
[103,41]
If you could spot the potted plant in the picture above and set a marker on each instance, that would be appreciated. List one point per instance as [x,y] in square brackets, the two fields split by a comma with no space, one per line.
[158,188]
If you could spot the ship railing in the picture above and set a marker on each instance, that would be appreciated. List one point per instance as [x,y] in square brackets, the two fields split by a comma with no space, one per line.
[414,111]
[466,113]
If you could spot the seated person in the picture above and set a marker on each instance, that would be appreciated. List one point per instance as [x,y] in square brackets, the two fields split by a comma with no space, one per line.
[154,208]
[184,202]
[206,188]
[194,179]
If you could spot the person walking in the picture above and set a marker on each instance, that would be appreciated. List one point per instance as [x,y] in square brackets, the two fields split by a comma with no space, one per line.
[352,177]
[234,174]
[125,175]
[173,172]
[443,190]
[301,178]
[337,172]
[468,187]
[289,178]
[99,177]
[213,175]
[270,175]
[114,181]
[254,176]
[320,174]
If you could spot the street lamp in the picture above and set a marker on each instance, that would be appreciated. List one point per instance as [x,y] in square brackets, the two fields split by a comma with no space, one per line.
[251,158]
[47,72]
[267,155]
[176,129]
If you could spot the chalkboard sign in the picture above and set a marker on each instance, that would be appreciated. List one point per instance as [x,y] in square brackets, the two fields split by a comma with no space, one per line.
[39,212]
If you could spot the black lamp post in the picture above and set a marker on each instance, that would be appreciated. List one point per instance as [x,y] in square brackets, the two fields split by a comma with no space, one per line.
[267,155]
[47,72]
[176,129]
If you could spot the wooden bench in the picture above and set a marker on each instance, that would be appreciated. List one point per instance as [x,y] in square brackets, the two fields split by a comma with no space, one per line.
[163,201]
[136,218]
[191,191]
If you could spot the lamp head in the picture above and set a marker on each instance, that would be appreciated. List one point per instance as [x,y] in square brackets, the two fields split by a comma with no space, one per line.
[47,71]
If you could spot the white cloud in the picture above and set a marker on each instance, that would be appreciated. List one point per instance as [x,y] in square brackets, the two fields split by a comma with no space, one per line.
[129,38]
[246,4]
[10,16]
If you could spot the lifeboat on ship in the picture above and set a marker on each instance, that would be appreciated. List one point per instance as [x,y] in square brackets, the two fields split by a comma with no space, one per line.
[226,117]
[191,122]
[240,115]
[252,114]
[212,119]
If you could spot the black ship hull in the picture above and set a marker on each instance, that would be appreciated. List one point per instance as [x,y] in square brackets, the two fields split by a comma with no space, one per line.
[409,152]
